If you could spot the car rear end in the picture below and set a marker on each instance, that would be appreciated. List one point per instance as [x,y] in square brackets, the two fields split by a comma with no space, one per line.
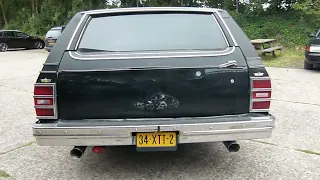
[153,78]
[312,52]
[51,37]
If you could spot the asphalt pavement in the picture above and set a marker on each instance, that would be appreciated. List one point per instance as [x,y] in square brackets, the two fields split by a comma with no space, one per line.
[293,151]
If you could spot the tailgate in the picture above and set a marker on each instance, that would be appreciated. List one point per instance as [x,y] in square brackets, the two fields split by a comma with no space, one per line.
[196,89]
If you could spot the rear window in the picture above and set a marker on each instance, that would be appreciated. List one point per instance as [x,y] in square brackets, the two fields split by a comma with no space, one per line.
[1,34]
[153,32]
[53,33]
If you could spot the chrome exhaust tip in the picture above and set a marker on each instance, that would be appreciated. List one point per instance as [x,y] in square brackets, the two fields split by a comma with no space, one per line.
[77,151]
[232,146]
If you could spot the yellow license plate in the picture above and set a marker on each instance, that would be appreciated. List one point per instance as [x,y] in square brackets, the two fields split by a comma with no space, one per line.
[51,43]
[156,139]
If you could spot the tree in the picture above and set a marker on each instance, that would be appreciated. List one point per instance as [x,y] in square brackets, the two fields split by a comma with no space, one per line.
[3,13]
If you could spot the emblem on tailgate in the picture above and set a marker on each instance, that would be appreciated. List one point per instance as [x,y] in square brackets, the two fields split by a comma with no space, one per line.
[45,80]
[258,74]
[157,102]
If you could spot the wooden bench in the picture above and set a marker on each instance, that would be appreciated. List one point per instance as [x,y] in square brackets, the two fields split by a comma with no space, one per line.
[259,46]
[271,50]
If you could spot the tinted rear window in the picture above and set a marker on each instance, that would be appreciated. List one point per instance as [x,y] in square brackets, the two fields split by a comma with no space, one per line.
[147,32]
[53,33]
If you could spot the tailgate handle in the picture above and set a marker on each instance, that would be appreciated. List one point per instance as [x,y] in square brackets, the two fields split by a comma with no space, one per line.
[228,64]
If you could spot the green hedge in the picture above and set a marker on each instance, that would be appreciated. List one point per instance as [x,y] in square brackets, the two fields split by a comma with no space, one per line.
[291,29]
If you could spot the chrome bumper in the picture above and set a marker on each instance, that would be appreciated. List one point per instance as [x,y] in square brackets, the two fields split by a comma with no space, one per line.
[96,134]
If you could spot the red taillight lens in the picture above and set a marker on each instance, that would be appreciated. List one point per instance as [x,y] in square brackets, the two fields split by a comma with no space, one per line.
[44,112]
[44,101]
[261,105]
[264,83]
[43,90]
[261,94]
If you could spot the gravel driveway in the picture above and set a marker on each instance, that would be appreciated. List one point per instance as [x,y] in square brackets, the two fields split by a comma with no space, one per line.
[293,152]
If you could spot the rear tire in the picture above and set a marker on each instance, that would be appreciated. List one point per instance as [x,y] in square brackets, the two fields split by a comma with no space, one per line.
[3,47]
[308,66]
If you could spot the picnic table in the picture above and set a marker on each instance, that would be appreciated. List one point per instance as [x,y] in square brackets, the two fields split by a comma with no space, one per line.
[259,44]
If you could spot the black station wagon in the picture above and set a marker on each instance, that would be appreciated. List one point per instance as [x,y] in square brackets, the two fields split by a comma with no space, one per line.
[153,78]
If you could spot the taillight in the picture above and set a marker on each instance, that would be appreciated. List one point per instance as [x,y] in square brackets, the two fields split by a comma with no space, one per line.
[260,94]
[308,48]
[44,100]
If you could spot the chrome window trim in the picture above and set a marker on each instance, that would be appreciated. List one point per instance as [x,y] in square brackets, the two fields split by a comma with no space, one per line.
[225,24]
[87,13]
[223,53]
[75,31]
[225,38]
[151,9]
[158,53]
[82,32]
[54,96]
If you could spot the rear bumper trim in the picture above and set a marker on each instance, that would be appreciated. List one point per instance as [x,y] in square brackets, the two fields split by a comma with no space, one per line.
[55,134]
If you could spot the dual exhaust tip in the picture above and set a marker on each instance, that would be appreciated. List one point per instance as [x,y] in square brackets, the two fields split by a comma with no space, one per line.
[232,146]
[78,151]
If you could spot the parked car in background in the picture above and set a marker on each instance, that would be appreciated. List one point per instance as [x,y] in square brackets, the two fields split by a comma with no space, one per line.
[312,52]
[153,78]
[52,36]
[17,39]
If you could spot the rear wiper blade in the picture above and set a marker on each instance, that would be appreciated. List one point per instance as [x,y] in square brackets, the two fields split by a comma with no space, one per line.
[230,64]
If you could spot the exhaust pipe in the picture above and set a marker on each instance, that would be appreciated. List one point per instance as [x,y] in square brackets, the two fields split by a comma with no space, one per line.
[232,146]
[77,152]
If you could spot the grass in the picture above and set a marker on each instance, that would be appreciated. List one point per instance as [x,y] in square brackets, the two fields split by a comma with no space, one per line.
[288,58]
[4,174]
